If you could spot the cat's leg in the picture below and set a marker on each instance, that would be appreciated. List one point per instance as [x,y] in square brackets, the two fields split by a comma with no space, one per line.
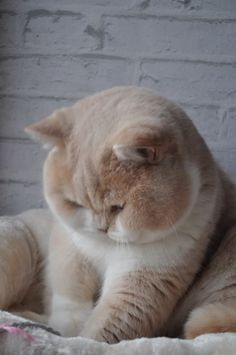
[20,255]
[217,317]
[211,303]
[39,222]
[73,283]
[137,304]
[17,260]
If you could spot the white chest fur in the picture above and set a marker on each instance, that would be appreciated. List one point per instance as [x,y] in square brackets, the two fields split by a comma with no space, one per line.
[106,254]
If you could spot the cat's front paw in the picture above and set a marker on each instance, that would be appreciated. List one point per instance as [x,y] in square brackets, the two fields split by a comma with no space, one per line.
[67,323]
[68,317]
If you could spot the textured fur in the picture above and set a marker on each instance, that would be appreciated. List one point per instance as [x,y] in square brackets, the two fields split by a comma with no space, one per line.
[143,230]
[23,247]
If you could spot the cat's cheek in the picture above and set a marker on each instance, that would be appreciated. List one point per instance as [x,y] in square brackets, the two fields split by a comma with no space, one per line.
[75,220]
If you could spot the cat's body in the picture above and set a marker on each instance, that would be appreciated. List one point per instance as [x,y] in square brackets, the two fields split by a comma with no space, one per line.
[138,203]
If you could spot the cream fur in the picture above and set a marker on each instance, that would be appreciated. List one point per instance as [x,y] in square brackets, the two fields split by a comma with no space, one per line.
[138,203]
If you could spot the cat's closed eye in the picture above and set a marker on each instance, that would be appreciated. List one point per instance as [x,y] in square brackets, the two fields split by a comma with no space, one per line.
[116,208]
[72,203]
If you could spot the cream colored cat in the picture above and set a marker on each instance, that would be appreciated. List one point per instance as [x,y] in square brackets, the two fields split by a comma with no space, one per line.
[144,237]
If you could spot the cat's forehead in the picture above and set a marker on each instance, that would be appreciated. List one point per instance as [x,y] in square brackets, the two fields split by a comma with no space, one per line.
[100,116]
[123,101]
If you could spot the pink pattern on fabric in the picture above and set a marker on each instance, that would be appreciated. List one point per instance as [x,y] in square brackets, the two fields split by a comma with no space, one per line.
[15,330]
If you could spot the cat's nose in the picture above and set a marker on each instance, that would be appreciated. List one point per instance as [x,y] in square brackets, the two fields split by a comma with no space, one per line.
[101,223]
[104,230]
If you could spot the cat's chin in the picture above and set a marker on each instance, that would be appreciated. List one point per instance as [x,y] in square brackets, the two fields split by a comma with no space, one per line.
[137,237]
[119,238]
[124,235]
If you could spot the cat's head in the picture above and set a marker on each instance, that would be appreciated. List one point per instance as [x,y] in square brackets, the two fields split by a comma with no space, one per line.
[121,165]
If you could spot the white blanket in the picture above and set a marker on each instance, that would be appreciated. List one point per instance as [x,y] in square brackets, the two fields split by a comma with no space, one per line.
[46,343]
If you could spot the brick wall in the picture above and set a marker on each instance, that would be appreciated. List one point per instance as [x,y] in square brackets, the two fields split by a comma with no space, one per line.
[53,52]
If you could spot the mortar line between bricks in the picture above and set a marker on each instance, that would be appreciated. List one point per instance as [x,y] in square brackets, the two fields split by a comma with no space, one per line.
[7,56]
[43,12]
[27,96]
[19,140]
[223,118]
[231,60]
[39,96]
[9,12]
[173,16]
[211,59]
[37,12]
[221,146]
[21,182]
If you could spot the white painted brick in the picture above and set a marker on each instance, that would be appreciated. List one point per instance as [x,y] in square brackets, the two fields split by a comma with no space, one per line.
[185,5]
[154,35]
[226,159]
[18,112]
[229,126]
[190,81]
[8,29]
[151,6]
[206,119]
[112,37]
[17,197]
[62,75]
[21,161]
[44,30]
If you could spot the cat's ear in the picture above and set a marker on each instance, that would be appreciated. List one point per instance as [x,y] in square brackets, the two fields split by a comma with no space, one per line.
[53,130]
[135,153]
[144,144]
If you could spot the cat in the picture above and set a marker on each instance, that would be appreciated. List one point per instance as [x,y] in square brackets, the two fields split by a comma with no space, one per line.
[144,233]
